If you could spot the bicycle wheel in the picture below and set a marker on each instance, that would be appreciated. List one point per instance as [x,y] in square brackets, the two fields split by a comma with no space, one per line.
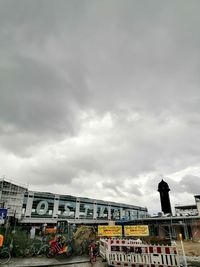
[30,251]
[44,250]
[92,259]
[4,257]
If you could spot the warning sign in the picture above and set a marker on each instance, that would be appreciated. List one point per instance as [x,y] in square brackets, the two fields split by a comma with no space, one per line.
[106,230]
[136,230]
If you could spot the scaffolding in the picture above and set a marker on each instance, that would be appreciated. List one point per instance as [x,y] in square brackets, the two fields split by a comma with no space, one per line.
[11,197]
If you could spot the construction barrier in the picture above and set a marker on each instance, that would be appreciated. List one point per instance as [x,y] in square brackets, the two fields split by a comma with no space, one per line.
[136,254]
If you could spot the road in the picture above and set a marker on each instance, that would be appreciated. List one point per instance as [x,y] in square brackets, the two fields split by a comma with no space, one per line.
[99,263]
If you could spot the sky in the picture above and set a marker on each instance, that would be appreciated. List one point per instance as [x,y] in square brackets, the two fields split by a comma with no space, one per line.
[101,99]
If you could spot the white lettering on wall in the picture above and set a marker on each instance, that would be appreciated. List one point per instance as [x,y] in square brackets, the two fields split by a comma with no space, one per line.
[102,209]
[88,210]
[87,207]
[67,210]
[42,210]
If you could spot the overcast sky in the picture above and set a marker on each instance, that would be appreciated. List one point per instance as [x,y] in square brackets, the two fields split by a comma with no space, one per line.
[101,99]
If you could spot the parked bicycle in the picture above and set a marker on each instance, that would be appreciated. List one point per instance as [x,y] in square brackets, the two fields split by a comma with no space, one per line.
[38,247]
[93,252]
[59,245]
[5,255]
[33,247]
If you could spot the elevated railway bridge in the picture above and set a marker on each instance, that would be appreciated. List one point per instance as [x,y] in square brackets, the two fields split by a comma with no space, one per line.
[170,227]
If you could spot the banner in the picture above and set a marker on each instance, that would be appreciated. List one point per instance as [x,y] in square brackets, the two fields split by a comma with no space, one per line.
[106,230]
[3,213]
[136,230]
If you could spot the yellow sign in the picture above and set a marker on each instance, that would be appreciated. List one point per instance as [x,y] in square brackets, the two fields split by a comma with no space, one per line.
[106,230]
[136,230]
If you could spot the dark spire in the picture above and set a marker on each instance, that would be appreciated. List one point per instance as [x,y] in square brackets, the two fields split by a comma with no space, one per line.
[163,186]
[164,189]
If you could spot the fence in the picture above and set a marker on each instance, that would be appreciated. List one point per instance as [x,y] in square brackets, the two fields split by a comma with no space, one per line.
[136,254]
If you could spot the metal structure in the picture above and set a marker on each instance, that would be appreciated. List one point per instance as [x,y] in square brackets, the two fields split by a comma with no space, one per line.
[12,197]
[186,210]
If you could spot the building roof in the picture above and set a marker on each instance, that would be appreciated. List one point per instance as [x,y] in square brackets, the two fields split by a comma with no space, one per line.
[192,206]
[85,199]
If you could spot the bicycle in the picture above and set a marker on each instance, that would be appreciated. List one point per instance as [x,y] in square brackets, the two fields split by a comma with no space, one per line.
[43,250]
[93,253]
[5,255]
[33,247]
[59,246]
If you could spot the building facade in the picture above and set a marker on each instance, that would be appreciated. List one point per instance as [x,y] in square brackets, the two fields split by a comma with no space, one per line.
[40,207]
[33,207]
[171,227]
[186,210]
[197,200]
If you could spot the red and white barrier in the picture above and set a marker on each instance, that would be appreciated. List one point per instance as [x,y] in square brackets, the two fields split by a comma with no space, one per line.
[136,254]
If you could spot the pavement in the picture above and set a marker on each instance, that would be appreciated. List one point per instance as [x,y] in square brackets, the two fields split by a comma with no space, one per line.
[44,262]
[76,261]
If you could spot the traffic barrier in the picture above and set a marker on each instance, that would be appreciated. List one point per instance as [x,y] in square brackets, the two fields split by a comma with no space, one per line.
[121,252]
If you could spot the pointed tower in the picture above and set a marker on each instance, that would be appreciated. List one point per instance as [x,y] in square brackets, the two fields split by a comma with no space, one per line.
[164,189]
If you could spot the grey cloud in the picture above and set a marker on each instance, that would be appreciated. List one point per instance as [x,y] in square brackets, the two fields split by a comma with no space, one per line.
[118,188]
[135,60]
[35,97]
[190,184]
[116,62]
[42,175]
[116,191]
[37,100]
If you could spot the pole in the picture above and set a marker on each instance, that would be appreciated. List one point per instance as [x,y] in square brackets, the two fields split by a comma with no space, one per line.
[184,257]
[15,221]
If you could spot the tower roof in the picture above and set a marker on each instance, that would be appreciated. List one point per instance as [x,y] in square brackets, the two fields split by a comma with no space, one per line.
[163,186]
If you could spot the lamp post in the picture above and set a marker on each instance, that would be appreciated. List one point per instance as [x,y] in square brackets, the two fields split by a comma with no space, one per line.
[184,257]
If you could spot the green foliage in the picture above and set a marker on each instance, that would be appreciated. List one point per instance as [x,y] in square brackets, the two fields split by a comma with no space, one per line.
[16,240]
[82,238]
[2,231]
[20,242]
